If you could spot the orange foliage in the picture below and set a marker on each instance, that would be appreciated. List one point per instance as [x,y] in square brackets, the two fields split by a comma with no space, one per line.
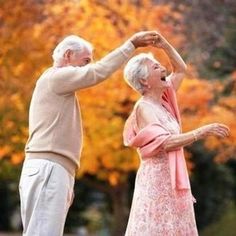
[30,33]
[203,102]
[5,151]
[16,158]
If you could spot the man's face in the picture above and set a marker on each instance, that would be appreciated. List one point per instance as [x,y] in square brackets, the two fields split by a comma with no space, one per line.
[80,58]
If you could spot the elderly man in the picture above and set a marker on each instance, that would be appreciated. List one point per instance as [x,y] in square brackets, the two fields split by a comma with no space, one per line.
[55,134]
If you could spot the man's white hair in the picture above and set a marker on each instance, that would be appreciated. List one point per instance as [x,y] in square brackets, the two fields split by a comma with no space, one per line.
[137,69]
[72,42]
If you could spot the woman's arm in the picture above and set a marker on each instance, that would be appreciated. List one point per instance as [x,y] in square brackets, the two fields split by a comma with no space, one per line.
[145,116]
[178,65]
[180,140]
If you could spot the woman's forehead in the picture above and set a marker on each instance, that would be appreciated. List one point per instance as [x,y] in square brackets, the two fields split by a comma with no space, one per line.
[153,61]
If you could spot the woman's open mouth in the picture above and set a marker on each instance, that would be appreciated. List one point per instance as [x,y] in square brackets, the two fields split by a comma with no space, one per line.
[163,78]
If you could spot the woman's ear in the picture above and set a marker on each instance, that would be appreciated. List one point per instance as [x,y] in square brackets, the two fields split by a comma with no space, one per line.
[143,82]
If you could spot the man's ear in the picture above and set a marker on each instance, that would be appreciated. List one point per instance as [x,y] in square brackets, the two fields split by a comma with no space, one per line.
[67,55]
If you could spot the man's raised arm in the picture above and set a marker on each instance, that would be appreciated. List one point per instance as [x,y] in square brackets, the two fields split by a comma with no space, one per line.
[71,78]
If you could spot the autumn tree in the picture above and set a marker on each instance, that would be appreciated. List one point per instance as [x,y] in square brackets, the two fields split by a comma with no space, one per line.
[29,35]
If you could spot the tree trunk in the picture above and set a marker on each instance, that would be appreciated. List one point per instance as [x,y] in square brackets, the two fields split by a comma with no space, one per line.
[120,211]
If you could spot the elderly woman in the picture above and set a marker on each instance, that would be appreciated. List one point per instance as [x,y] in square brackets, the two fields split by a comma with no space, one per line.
[162,201]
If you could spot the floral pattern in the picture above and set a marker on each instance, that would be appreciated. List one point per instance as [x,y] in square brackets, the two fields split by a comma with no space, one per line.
[157,209]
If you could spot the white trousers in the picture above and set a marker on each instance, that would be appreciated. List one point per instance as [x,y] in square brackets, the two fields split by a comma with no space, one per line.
[46,193]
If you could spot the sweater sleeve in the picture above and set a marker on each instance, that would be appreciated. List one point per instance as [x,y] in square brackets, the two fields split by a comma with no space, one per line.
[69,79]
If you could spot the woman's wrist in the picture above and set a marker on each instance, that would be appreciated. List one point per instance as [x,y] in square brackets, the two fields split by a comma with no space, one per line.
[195,137]
[197,134]
[165,45]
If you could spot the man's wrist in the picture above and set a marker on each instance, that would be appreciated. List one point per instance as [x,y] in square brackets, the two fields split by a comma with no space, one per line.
[133,42]
[127,48]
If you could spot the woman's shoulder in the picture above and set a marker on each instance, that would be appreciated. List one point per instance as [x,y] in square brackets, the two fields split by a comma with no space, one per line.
[141,106]
[148,106]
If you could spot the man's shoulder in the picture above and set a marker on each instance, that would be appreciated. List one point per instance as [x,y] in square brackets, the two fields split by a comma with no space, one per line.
[45,73]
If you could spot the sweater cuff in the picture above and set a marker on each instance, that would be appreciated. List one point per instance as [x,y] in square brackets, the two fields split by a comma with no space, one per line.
[127,48]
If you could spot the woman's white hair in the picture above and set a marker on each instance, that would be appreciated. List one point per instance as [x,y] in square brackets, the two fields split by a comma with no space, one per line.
[137,69]
[72,42]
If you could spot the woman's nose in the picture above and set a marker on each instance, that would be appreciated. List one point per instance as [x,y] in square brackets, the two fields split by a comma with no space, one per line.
[163,69]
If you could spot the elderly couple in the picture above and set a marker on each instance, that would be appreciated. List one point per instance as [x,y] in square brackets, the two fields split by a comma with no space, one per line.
[162,201]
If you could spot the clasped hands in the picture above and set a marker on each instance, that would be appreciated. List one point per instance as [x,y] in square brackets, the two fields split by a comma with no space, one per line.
[148,38]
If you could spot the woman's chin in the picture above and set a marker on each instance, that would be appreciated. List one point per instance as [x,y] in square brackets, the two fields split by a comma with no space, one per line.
[165,84]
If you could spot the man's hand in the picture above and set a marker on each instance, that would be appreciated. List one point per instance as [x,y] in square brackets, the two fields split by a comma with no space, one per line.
[160,41]
[144,38]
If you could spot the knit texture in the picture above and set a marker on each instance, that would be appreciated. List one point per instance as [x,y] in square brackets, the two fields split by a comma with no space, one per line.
[55,125]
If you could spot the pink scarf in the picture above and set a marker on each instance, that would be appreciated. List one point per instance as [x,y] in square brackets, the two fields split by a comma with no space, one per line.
[149,141]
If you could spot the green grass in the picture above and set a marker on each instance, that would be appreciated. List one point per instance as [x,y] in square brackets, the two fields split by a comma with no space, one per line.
[226,226]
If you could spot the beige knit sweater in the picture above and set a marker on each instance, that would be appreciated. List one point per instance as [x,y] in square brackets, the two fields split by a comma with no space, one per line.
[55,127]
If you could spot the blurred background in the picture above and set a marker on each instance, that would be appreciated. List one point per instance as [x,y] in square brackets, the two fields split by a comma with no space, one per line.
[204,32]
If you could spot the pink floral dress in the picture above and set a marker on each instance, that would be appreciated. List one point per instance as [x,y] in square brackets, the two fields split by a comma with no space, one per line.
[158,209]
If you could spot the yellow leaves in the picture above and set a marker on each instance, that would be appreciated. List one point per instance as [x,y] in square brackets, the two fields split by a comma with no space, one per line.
[212,143]
[195,95]
[17,101]
[56,9]
[113,178]
[15,139]
[17,158]
[198,107]
[129,161]
[5,151]
[24,130]
[9,124]
[89,163]
[222,114]
[19,69]
[229,102]
[28,38]
[190,121]
[224,148]
[37,31]
[108,161]
[105,107]
[61,8]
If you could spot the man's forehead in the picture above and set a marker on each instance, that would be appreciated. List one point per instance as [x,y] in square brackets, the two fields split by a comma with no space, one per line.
[86,53]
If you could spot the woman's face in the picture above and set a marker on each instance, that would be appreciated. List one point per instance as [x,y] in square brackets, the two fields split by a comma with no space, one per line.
[157,75]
